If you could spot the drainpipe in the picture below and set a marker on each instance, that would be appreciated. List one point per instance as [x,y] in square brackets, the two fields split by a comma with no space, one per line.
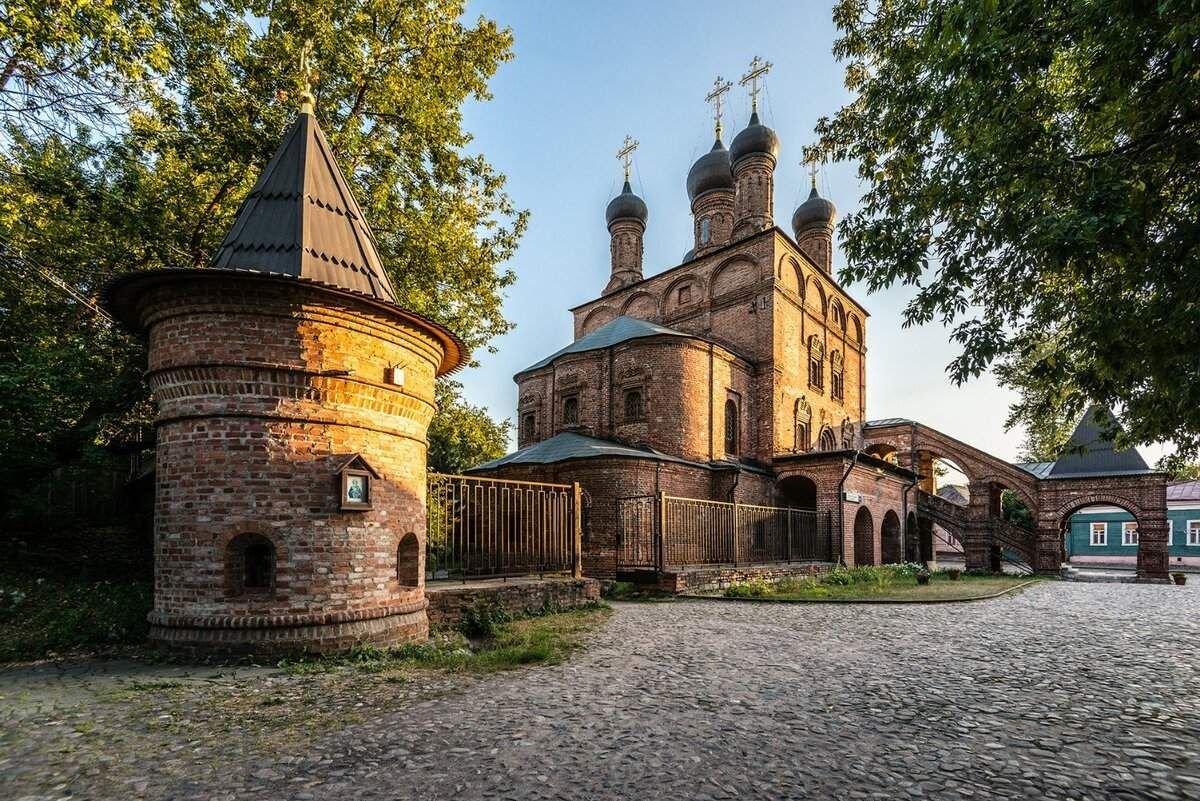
[842,510]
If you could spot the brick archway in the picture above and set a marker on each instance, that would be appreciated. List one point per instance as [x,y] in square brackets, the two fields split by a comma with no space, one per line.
[889,539]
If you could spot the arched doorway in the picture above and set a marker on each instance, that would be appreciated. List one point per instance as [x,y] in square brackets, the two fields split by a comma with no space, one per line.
[1103,534]
[798,492]
[864,537]
[889,539]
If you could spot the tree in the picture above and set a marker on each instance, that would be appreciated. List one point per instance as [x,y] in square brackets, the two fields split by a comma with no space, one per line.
[1048,416]
[1030,171]
[1178,469]
[461,435]
[185,104]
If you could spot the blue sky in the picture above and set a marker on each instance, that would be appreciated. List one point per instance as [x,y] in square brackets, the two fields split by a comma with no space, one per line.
[585,75]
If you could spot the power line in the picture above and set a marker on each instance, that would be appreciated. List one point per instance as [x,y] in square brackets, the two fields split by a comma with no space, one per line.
[15,259]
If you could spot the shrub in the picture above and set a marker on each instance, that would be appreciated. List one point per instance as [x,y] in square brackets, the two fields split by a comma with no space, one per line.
[483,620]
[754,588]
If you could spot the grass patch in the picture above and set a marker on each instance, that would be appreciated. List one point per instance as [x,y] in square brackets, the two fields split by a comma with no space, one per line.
[871,583]
[48,616]
[486,641]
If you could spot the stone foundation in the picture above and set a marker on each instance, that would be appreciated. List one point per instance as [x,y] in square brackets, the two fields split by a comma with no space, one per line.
[448,602]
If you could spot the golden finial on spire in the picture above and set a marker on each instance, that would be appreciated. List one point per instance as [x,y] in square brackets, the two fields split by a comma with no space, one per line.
[717,98]
[625,154]
[758,68]
[308,101]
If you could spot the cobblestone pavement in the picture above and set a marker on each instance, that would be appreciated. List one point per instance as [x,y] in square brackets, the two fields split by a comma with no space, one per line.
[1065,691]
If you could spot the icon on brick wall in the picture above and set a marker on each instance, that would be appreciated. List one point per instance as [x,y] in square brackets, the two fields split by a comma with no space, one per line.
[354,478]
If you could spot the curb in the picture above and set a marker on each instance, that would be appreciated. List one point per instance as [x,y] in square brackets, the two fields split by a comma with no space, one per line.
[869,601]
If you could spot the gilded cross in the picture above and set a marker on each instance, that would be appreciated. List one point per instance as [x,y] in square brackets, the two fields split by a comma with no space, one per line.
[717,98]
[812,171]
[758,68]
[625,154]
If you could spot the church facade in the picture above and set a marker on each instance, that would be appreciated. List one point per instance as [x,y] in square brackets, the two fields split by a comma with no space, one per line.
[737,375]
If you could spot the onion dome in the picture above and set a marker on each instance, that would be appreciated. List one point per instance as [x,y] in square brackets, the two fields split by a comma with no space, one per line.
[626,206]
[816,211]
[711,171]
[691,254]
[756,138]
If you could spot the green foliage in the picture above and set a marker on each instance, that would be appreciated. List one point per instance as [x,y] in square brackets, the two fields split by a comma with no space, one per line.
[753,588]
[41,617]
[183,105]
[483,620]
[1014,510]
[1029,170]
[1178,468]
[462,436]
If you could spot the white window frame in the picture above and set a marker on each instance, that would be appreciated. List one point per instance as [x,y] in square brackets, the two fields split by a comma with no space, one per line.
[1101,529]
[1170,532]
[1193,533]
[1129,533]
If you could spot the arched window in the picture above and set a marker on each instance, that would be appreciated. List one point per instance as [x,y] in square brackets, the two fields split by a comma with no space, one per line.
[828,441]
[836,385]
[250,565]
[847,434]
[528,427]
[731,427]
[803,425]
[408,561]
[816,363]
[570,414]
[633,404]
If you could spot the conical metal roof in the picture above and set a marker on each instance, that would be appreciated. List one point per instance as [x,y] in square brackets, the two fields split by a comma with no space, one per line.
[1090,452]
[301,219]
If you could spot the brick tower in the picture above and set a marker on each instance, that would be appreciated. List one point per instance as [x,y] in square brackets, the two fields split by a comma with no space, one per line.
[293,399]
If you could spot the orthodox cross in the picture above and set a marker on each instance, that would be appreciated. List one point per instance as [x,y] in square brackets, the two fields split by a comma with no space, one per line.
[812,171]
[625,154]
[758,68]
[307,101]
[717,98]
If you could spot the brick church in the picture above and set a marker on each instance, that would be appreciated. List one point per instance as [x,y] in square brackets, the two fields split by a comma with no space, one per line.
[737,375]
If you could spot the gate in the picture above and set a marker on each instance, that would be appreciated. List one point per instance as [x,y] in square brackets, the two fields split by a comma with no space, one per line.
[490,527]
[659,531]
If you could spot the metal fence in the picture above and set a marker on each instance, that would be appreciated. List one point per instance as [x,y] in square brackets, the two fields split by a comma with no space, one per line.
[656,531]
[487,527]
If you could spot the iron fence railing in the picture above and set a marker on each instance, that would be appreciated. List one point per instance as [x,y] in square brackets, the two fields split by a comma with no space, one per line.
[656,531]
[482,527]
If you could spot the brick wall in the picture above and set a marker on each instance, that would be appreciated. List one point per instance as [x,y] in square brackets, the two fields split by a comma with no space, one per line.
[718,578]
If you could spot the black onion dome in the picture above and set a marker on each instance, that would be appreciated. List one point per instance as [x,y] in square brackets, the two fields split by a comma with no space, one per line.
[625,206]
[814,211]
[711,171]
[755,138]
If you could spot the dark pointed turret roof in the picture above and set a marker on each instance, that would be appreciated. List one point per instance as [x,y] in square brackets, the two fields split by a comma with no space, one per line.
[1090,452]
[301,219]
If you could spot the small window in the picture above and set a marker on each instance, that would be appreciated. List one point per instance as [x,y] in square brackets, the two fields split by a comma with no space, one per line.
[816,363]
[633,404]
[1170,533]
[528,428]
[1193,532]
[1099,535]
[705,231]
[731,427]
[570,410]
[1129,533]
[408,561]
[685,295]
[250,565]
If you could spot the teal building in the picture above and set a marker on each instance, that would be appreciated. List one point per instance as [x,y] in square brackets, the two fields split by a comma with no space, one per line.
[1109,534]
